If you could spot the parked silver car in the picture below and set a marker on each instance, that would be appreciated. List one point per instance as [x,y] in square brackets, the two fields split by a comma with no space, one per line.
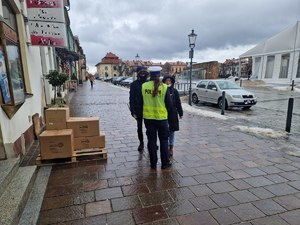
[211,91]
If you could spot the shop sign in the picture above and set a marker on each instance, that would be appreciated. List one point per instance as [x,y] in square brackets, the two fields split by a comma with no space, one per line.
[47,23]
[45,4]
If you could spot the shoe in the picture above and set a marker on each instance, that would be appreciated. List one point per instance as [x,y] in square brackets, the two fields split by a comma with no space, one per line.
[169,164]
[141,147]
[153,167]
[171,150]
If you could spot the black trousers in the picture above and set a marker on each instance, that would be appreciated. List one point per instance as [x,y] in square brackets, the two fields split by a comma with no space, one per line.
[140,129]
[160,128]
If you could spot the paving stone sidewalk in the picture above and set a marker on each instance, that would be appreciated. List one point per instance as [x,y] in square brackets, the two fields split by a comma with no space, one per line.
[219,176]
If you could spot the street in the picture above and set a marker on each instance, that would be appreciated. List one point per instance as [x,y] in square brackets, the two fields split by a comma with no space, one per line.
[219,175]
[269,112]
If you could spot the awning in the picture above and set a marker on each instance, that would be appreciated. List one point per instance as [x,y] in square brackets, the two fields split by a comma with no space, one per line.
[67,55]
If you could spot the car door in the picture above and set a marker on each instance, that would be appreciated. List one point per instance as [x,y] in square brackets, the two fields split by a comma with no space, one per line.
[212,94]
[201,90]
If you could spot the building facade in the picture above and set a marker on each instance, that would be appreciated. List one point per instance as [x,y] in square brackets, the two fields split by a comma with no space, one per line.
[205,70]
[174,68]
[24,92]
[110,66]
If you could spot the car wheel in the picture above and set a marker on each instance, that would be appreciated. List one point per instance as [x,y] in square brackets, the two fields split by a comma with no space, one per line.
[246,107]
[220,103]
[195,98]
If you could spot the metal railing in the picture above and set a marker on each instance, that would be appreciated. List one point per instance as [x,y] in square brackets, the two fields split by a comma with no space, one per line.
[183,87]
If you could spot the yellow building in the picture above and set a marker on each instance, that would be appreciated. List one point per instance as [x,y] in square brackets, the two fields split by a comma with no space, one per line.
[174,67]
[110,66]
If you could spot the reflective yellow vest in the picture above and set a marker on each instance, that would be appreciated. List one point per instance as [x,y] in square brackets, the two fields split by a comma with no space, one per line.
[154,108]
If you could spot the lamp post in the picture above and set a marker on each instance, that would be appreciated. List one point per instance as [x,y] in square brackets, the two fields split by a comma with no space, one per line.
[137,57]
[192,41]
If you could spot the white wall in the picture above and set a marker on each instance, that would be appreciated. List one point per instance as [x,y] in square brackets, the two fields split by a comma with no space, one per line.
[21,121]
[13,128]
[292,70]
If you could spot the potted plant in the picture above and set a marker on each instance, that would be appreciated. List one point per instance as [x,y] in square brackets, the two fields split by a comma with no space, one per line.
[56,79]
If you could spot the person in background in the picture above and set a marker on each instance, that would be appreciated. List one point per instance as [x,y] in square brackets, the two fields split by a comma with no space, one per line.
[156,104]
[175,111]
[91,77]
[136,102]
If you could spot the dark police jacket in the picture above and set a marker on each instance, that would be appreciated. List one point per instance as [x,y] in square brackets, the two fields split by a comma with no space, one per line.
[136,99]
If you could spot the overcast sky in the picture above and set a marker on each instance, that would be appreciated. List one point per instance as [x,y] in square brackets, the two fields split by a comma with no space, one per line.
[157,29]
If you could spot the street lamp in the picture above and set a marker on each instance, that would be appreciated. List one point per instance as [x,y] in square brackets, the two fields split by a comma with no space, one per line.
[137,57]
[192,42]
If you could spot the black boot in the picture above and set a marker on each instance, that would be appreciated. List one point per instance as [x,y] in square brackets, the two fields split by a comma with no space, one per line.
[141,147]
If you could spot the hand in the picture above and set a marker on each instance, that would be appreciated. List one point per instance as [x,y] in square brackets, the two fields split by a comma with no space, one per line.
[180,117]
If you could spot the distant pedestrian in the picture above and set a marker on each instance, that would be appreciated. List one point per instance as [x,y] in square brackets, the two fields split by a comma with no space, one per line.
[156,104]
[92,79]
[175,111]
[136,102]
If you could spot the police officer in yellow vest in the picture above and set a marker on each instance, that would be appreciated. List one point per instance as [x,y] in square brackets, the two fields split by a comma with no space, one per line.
[156,102]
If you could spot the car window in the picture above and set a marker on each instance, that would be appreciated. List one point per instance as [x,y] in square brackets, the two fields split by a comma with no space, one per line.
[211,85]
[202,84]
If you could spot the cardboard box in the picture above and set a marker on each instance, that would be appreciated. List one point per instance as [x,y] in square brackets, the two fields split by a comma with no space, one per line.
[89,142]
[56,118]
[84,126]
[56,126]
[56,144]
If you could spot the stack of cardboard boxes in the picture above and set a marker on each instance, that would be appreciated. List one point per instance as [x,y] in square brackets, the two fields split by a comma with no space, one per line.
[66,136]
[86,132]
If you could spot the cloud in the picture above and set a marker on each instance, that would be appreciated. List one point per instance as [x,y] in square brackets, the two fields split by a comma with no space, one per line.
[158,29]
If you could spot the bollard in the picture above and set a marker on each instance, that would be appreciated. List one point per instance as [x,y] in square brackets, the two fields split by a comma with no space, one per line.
[293,84]
[289,115]
[241,82]
[223,103]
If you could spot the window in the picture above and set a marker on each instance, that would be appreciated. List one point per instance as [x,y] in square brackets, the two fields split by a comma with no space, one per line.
[256,66]
[202,84]
[270,66]
[115,68]
[4,86]
[8,16]
[16,75]
[106,68]
[11,77]
[211,85]
[284,68]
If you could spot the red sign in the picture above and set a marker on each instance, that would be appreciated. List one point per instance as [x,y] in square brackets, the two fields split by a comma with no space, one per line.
[47,41]
[45,4]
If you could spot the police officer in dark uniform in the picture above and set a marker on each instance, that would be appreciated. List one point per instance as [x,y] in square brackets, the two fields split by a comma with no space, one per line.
[136,102]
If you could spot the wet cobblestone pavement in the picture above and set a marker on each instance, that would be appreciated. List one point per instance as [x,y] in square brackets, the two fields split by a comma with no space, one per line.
[219,176]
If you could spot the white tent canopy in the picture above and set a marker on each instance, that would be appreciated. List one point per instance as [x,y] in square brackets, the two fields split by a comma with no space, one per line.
[286,41]
[277,58]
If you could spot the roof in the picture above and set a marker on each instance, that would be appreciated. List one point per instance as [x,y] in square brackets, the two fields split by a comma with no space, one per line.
[178,63]
[110,58]
[287,40]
